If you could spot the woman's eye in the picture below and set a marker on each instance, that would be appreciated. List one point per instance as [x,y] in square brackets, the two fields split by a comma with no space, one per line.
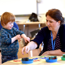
[50,21]
[46,20]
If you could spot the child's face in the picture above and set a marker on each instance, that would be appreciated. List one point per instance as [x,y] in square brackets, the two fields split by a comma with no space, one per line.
[9,25]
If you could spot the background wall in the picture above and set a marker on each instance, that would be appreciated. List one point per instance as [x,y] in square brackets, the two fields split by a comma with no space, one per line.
[45,5]
[18,7]
[26,7]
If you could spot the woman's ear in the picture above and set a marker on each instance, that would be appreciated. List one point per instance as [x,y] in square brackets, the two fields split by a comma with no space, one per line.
[59,22]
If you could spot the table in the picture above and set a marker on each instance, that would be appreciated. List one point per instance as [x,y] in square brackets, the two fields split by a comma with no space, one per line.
[59,62]
[29,23]
[26,24]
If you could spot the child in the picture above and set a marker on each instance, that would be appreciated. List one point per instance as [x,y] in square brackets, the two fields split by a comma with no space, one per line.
[10,37]
[0,56]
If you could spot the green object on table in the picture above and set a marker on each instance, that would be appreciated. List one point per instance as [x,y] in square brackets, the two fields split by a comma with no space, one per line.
[52,57]
[63,57]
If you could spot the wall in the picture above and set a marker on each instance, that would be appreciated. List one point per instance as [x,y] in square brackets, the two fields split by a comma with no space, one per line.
[45,5]
[18,7]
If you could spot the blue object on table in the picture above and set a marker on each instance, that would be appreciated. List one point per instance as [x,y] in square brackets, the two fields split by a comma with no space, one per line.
[35,58]
[43,57]
[27,62]
[51,60]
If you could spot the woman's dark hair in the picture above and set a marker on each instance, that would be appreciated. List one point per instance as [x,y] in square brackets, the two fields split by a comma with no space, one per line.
[55,14]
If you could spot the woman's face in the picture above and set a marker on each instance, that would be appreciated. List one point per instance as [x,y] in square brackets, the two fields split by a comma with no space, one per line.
[51,23]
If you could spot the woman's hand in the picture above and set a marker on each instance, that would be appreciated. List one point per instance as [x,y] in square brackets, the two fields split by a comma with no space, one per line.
[30,46]
[25,49]
[46,53]
[57,52]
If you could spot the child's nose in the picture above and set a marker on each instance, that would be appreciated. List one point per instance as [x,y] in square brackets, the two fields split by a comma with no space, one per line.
[12,24]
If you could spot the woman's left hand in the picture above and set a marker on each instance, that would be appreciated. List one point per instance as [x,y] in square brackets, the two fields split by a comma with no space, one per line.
[46,53]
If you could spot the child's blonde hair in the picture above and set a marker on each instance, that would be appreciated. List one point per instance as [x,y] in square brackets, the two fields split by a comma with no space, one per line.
[7,17]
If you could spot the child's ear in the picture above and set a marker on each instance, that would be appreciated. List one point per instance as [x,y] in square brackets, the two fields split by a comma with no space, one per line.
[3,24]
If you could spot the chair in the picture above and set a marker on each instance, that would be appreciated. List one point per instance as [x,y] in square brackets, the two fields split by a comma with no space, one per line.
[33,33]
[15,25]
[0,26]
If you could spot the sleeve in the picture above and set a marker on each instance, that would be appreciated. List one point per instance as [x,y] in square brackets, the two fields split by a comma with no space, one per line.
[62,37]
[5,38]
[18,31]
[40,36]
[63,45]
[0,39]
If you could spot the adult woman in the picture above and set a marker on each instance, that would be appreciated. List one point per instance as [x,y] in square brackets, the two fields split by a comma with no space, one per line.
[53,35]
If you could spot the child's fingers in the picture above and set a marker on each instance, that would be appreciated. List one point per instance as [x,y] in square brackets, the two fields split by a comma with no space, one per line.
[19,40]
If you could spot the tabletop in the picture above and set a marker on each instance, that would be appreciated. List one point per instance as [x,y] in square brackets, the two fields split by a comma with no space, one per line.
[29,23]
[39,60]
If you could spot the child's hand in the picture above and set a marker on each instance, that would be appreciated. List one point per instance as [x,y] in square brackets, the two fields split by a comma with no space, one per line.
[27,39]
[18,37]
[19,40]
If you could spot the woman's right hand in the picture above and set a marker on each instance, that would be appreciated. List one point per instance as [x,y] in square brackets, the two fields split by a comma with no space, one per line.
[25,49]
[30,46]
